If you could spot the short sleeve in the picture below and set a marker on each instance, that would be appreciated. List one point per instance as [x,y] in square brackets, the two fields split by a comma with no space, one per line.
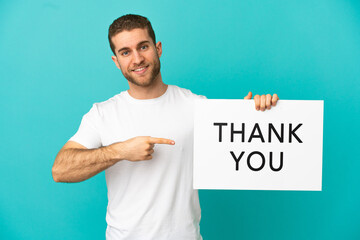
[88,133]
[202,97]
[199,96]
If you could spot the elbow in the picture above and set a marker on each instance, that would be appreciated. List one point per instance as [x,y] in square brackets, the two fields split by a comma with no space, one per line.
[57,171]
[55,174]
[61,176]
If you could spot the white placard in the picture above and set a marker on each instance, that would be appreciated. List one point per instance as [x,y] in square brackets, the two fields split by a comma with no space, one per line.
[237,147]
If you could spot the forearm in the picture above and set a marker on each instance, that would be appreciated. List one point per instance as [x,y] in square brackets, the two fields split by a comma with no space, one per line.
[76,165]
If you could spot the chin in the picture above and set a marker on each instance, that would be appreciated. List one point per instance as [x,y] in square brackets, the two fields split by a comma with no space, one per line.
[146,83]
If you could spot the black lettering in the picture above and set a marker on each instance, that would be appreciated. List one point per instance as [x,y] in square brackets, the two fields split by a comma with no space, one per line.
[281,162]
[272,129]
[262,158]
[220,129]
[236,132]
[292,132]
[237,160]
[256,127]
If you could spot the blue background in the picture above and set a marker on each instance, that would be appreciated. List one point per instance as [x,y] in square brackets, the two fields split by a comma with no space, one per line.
[55,62]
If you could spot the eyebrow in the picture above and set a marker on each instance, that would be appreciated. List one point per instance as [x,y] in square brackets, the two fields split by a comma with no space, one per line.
[140,43]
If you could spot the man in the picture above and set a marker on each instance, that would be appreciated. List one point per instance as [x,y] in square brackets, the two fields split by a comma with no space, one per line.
[132,137]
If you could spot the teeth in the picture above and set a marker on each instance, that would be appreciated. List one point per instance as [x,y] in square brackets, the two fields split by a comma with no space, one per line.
[139,69]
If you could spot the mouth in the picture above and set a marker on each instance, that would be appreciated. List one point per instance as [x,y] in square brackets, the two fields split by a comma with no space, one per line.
[140,70]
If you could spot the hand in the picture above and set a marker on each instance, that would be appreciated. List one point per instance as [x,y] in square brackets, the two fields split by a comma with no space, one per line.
[264,101]
[138,148]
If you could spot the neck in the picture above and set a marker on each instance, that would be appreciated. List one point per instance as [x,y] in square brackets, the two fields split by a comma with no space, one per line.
[155,90]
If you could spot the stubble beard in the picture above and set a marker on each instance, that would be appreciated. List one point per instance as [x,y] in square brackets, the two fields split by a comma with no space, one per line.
[153,75]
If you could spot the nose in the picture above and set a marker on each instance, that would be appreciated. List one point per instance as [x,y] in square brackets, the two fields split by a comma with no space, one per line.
[138,58]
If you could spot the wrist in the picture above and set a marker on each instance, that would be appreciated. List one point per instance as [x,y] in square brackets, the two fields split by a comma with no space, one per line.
[113,152]
[109,154]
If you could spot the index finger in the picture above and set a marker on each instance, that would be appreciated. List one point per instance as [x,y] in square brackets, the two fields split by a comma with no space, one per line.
[161,141]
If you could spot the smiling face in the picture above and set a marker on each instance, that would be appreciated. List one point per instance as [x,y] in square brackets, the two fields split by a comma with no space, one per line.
[137,57]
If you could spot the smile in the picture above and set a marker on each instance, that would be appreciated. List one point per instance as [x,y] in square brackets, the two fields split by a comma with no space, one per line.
[140,70]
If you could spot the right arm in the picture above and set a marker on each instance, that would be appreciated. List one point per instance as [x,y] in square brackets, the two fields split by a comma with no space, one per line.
[76,163]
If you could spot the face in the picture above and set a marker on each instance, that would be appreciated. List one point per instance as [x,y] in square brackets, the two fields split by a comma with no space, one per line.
[137,57]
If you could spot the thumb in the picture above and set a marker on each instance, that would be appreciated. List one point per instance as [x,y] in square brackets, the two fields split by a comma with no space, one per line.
[249,96]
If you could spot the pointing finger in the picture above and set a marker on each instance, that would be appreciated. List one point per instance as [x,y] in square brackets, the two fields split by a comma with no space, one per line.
[249,96]
[161,141]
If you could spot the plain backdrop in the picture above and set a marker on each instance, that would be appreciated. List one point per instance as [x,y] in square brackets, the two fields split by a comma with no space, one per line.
[55,62]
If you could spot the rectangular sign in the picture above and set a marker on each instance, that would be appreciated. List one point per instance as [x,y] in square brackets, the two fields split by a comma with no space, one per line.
[237,147]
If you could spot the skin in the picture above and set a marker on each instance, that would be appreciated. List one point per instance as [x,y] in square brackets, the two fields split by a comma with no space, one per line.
[76,163]
[263,102]
[134,50]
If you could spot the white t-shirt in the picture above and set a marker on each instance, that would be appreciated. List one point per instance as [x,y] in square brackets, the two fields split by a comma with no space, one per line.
[151,199]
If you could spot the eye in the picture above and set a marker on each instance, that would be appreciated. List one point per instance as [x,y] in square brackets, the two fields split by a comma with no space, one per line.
[125,53]
[143,47]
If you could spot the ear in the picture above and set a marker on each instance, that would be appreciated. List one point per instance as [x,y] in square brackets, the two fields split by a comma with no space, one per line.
[159,48]
[114,58]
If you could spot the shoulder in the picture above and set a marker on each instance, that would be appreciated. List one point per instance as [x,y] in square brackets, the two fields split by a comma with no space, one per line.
[109,105]
[186,93]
